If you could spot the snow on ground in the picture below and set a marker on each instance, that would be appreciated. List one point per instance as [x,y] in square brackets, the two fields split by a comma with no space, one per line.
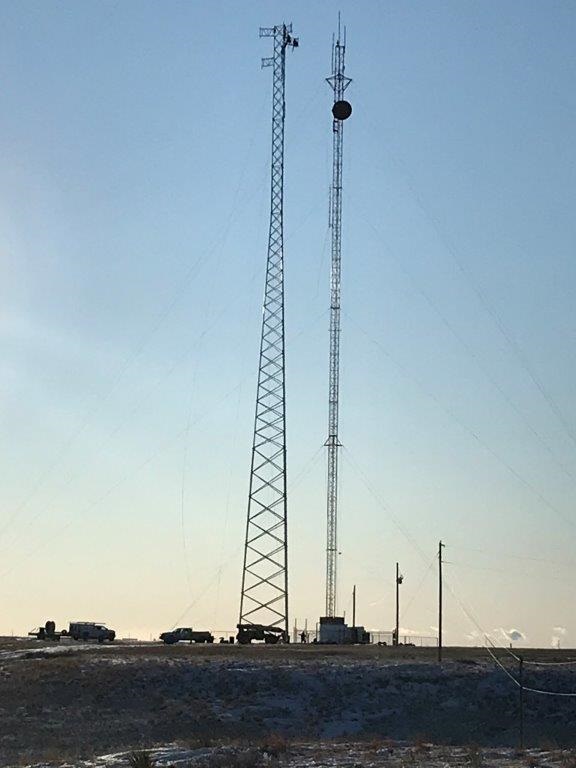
[339,755]
[60,648]
[341,707]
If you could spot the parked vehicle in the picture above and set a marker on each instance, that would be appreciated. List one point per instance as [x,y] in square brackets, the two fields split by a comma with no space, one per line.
[186,634]
[89,630]
[47,632]
[269,634]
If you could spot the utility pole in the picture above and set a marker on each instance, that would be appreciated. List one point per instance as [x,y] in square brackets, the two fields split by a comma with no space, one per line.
[354,606]
[264,593]
[341,110]
[440,546]
[399,580]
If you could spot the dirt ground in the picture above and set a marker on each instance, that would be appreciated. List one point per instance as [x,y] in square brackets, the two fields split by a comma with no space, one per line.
[375,754]
[343,706]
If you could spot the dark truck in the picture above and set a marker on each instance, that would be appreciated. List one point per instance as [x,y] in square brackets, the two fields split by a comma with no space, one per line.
[90,630]
[186,634]
[271,635]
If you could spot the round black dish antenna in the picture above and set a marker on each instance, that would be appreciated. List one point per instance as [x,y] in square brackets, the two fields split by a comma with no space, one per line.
[342,110]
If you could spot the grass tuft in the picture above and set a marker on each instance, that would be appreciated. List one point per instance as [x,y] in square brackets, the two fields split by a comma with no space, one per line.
[475,757]
[140,759]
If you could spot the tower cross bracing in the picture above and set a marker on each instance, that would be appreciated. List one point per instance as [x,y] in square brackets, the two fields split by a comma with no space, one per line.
[264,594]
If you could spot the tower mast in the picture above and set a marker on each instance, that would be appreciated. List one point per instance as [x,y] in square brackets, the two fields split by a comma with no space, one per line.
[341,110]
[264,594]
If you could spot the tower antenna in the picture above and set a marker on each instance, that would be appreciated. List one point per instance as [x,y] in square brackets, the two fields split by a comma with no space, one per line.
[341,111]
[264,594]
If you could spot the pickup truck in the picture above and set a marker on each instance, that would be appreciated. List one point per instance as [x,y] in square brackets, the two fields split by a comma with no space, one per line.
[89,630]
[187,634]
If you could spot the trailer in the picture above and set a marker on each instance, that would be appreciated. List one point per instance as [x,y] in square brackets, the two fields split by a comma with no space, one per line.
[47,632]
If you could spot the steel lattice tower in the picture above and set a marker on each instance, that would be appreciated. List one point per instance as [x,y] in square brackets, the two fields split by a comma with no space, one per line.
[340,110]
[264,596]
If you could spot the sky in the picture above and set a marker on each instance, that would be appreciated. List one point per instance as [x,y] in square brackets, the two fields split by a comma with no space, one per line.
[134,199]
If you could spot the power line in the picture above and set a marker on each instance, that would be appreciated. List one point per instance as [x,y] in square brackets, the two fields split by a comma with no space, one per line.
[509,555]
[549,693]
[533,661]
[523,575]
[489,309]
[347,456]
[465,609]
[128,362]
[502,667]
[119,424]
[472,354]
[118,484]
[420,585]
[216,577]
[509,651]
[549,663]
[306,469]
[467,429]
[539,691]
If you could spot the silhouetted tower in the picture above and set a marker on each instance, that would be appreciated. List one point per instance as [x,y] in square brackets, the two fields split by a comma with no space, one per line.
[264,595]
[341,110]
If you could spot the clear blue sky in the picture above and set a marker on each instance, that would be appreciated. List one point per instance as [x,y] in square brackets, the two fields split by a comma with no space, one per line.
[133,222]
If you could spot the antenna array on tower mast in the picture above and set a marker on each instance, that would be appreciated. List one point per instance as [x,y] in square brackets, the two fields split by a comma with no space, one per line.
[264,594]
[341,110]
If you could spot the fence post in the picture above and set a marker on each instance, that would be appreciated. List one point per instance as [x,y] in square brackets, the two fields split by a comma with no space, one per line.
[521,702]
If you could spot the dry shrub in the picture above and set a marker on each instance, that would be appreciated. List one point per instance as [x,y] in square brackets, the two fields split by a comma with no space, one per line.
[421,744]
[275,745]
[140,759]
[531,761]
[388,743]
[568,758]
[548,745]
[377,744]
[409,758]
[475,757]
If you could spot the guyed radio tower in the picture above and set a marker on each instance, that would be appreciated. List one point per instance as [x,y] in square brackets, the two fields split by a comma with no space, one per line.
[264,595]
[341,110]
